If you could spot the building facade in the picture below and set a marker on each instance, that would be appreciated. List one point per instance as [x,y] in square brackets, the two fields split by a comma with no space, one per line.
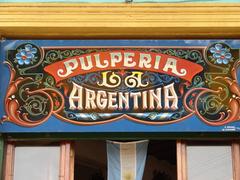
[163,72]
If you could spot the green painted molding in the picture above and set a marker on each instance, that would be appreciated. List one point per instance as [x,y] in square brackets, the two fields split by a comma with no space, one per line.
[121,136]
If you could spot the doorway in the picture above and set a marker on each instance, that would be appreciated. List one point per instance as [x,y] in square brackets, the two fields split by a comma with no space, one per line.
[161,162]
[91,160]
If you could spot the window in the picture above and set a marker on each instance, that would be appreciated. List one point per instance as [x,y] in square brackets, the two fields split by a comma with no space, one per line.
[208,160]
[36,163]
[48,161]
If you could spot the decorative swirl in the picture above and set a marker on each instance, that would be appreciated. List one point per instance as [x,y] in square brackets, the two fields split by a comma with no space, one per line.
[155,50]
[36,105]
[35,114]
[213,96]
[219,116]
[54,55]
[27,107]
[194,55]
[181,53]
[49,82]
[79,79]
[71,115]
[65,54]
[38,77]
[51,56]
[216,107]
[90,116]
[183,72]
[92,78]
[211,105]
[157,79]
[177,115]
[171,52]
[196,82]
[77,52]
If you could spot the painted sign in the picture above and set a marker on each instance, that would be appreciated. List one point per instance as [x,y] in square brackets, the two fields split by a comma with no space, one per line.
[149,83]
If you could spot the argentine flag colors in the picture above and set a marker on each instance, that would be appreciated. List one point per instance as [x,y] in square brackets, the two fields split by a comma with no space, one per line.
[126,160]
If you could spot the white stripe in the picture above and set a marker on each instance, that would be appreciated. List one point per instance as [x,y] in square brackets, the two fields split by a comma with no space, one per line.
[128,161]
[131,142]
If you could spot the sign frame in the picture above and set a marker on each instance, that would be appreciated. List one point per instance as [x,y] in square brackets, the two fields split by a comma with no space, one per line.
[119,126]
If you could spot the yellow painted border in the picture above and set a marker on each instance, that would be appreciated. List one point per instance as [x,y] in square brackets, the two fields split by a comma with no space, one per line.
[119,20]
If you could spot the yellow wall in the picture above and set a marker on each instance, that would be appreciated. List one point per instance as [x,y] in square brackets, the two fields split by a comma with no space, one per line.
[120,20]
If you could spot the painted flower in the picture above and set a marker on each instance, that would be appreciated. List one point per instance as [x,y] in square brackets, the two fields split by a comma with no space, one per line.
[220,54]
[26,55]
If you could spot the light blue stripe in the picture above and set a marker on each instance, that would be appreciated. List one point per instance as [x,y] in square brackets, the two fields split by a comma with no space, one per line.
[113,156]
[141,149]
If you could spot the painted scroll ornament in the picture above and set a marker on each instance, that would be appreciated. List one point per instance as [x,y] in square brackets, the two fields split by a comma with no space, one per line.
[155,86]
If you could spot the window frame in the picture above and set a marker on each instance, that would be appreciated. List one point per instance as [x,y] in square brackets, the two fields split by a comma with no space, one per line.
[66,158]
[182,156]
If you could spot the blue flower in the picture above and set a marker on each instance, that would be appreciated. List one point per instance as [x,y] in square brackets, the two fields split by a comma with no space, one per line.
[220,54]
[26,55]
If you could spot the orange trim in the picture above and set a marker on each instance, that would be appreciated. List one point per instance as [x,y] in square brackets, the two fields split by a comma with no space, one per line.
[9,162]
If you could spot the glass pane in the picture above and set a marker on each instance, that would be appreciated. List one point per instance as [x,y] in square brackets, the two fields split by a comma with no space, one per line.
[36,163]
[209,163]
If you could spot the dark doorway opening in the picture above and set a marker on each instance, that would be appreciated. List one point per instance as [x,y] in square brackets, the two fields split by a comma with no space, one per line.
[161,162]
[91,160]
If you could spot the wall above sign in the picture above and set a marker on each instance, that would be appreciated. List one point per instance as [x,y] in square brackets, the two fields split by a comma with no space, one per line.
[122,1]
[89,86]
